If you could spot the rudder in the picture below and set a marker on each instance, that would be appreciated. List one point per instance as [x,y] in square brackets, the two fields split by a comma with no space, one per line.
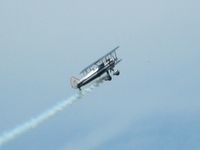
[74,82]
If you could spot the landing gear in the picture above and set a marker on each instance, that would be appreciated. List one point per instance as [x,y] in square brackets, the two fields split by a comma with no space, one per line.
[116,72]
[108,77]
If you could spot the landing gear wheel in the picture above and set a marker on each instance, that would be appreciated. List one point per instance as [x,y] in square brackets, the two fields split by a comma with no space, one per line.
[108,78]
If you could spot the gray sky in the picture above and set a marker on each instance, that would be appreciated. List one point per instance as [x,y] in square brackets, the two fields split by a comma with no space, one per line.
[153,105]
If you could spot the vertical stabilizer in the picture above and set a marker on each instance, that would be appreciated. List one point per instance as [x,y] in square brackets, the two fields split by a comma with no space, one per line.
[74,82]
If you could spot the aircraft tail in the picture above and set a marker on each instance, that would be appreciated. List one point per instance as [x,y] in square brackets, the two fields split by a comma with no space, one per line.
[74,82]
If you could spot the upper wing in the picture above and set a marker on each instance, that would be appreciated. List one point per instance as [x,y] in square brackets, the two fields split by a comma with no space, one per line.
[112,53]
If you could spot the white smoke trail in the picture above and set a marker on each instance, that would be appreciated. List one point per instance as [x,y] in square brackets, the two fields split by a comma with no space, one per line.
[34,122]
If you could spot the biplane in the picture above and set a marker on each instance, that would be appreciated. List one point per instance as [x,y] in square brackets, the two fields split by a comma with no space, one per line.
[104,66]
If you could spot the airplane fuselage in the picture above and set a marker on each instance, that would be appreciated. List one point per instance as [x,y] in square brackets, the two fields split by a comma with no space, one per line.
[101,70]
[103,67]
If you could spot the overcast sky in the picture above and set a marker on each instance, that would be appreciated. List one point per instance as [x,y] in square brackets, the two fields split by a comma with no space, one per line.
[153,105]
